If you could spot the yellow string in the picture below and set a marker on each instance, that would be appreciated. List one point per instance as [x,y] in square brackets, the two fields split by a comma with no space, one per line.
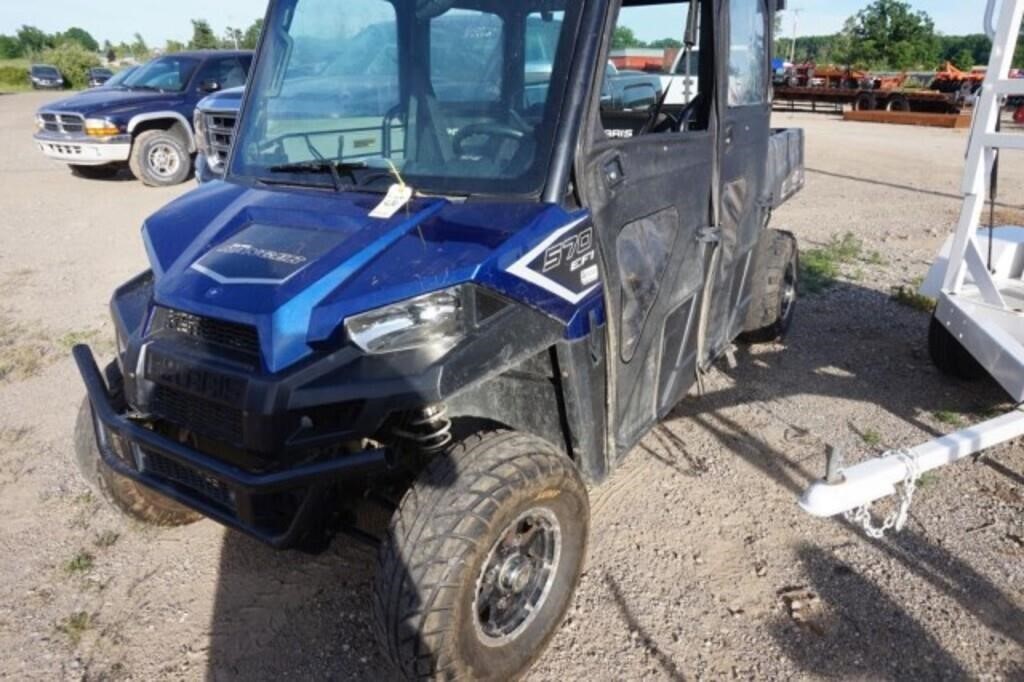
[394,171]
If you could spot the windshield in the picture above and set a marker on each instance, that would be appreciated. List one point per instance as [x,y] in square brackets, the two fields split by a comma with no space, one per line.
[100,72]
[169,74]
[44,71]
[456,96]
[120,77]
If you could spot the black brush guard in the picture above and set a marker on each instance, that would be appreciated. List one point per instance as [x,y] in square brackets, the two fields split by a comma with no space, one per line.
[217,490]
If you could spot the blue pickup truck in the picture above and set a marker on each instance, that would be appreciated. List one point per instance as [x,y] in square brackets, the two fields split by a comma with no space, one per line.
[217,114]
[215,120]
[145,122]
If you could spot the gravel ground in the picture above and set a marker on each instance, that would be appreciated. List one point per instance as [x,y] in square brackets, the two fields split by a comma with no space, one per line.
[700,563]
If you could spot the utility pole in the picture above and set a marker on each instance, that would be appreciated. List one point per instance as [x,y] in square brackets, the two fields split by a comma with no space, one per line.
[792,48]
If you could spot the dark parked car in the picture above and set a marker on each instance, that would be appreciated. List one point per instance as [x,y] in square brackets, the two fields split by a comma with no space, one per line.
[120,77]
[146,121]
[45,77]
[99,76]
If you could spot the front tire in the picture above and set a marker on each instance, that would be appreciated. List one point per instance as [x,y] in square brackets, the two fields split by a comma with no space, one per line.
[127,496]
[160,158]
[481,559]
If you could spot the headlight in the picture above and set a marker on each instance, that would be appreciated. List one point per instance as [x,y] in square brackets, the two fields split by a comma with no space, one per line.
[40,124]
[199,124]
[436,321]
[100,127]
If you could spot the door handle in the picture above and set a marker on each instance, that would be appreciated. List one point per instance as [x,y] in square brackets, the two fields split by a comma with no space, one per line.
[613,173]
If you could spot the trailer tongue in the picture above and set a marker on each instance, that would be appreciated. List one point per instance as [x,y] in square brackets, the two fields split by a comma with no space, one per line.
[979,320]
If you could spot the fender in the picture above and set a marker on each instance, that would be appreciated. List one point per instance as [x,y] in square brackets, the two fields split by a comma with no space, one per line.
[156,115]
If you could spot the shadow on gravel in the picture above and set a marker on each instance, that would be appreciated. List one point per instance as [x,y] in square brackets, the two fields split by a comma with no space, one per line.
[288,615]
[862,634]
[668,667]
[882,363]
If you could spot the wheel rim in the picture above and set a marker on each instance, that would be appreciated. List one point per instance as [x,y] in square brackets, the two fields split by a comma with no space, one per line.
[164,160]
[517,577]
[788,292]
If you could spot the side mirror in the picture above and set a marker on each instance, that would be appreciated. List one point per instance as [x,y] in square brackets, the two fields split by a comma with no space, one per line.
[210,86]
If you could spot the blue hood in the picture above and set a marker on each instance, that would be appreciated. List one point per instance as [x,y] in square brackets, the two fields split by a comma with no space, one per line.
[116,102]
[296,264]
[223,100]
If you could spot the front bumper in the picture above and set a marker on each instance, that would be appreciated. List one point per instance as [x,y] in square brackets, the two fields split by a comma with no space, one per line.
[204,173]
[84,151]
[276,508]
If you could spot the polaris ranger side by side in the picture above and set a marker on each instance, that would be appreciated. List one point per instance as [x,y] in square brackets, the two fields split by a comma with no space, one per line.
[432,285]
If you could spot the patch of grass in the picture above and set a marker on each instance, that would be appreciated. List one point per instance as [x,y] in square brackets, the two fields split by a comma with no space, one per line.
[81,562]
[23,352]
[927,479]
[871,438]
[107,538]
[14,75]
[948,417]
[821,267]
[992,411]
[75,626]
[74,338]
[909,296]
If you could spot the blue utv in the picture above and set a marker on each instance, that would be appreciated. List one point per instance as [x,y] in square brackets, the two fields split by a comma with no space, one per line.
[444,278]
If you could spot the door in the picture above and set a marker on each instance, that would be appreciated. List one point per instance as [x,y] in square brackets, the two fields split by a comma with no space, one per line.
[647,179]
[744,149]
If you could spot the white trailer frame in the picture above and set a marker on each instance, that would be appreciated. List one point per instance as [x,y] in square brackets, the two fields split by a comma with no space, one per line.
[978,281]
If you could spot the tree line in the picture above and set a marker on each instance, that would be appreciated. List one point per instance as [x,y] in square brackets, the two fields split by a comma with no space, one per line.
[885,35]
[29,42]
[892,35]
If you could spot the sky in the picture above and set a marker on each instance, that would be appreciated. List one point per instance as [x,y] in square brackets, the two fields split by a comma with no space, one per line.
[160,20]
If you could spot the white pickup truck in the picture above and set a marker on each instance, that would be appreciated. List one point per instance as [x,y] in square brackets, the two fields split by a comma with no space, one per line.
[681,87]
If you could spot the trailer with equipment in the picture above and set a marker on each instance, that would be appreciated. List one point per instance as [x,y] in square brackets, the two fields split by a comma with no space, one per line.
[978,324]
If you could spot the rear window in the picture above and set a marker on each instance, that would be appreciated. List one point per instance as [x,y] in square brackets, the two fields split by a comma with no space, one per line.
[466,60]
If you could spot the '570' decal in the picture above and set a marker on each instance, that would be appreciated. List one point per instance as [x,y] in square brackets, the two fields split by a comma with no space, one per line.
[564,264]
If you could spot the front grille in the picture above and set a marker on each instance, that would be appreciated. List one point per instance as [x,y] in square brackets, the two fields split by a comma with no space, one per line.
[203,417]
[72,124]
[237,337]
[155,464]
[63,149]
[220,132]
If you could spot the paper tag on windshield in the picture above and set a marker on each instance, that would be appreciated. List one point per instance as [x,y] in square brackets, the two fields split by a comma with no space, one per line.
[397,197]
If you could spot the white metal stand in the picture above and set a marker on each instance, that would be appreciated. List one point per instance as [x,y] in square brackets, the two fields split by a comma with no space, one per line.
[982,307]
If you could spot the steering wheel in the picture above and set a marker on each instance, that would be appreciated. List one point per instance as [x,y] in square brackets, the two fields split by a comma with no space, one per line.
[499,130]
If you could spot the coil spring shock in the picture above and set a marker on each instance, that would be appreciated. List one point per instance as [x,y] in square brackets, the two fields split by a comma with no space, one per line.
[428,431]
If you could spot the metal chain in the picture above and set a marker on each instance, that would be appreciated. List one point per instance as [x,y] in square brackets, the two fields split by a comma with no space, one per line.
[898,518]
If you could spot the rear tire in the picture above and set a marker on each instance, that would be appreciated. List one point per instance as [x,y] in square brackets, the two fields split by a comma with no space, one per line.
[130,498]
[949,355]
[865,102]
[482,559]
[160,158]
[104,172]
[898,103]
[775,287]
